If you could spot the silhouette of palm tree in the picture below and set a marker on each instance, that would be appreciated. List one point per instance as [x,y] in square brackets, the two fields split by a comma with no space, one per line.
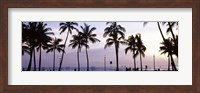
[116,35]
[25,47]
[29,37]
[55,45]
[43,39]
[87,35]
[170,26]
[175,37]
[168,47]
[176,46]
[131,42]
[79,42]
[66,26]
[166,42]
[140,48]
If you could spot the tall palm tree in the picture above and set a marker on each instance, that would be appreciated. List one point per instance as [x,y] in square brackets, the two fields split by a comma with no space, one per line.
[69,26]
[43,38]
[87,34]
[140,48]
[78,42]
[171,45]
[175,37]
[53,46]
[29,37]
[25,47]
[131,42]
[116,35]
[167,47]
[166,42]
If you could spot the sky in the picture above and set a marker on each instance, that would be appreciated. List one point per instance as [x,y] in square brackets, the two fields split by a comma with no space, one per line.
[150,36]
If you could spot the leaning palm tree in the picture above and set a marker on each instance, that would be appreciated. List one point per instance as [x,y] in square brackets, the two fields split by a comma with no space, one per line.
[70,26]
[140,48]
[87,34]
[169,30]
[43,39]
[167,47]
[78,42]
[175,37]
[166,42]
[53,46]
[131,42]
[116,37]
[170,26]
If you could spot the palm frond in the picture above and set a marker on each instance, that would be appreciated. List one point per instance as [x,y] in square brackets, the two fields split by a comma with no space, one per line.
[128,49]
[49,50]
[61,24]
[108,44]
[62,28]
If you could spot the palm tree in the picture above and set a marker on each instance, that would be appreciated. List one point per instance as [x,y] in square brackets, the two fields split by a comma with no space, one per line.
[29,37]
[66,26]
[25,47]
[175,37]
[176,45]
[140,48]
[170,26]
[116,35]
[131,42]
[43,38]
[168,48]
[166,42]
[55,45]
[88,36]
[79,42]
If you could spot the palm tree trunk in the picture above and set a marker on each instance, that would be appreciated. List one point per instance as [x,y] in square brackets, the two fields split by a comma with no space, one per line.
[141,61]
[172,61]
[54,60]
[165,42]
[173,64]
[78,59]
[87,60]
[134,64]
[63,51]
[117,63]
[161,32]
[170,27]
[40,59]
[30,60]
[34,60]
[168,63]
